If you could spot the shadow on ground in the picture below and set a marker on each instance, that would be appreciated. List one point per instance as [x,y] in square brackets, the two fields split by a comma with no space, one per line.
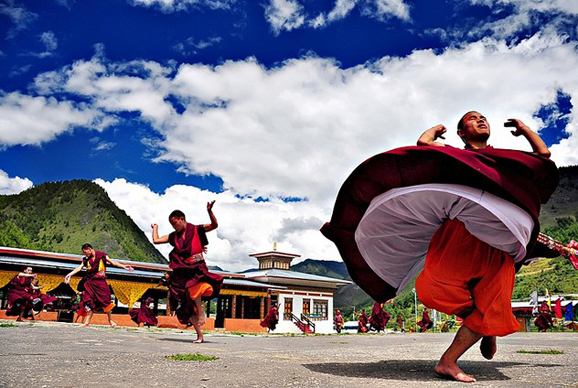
[417,370]
[188,340]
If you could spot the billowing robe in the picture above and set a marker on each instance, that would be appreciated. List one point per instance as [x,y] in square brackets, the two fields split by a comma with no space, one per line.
[362,323]
[20,294]
[144,314]
[190,277]
[96,294]
[391,207]
[270,321]
[379,317]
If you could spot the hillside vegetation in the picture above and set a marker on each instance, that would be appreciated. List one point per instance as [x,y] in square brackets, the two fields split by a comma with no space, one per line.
[61,216]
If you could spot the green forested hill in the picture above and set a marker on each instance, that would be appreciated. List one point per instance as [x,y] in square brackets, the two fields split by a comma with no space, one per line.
[61,216]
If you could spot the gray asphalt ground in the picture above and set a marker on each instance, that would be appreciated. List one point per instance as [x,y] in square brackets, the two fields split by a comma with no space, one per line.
[65,355]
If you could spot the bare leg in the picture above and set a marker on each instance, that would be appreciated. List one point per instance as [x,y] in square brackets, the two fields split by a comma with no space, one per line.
[201,311]
[447,366]
[195,322]
[87,319]
[19,319]
[488,347]
[110,321]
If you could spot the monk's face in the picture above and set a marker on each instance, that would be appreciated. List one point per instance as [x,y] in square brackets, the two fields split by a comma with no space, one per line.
[178,223]
[475,127]
[28,270]
[88,252]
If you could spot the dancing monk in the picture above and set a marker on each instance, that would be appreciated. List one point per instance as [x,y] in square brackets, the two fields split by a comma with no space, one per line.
[95,290]
[468,218]
[190,279]
[21,295]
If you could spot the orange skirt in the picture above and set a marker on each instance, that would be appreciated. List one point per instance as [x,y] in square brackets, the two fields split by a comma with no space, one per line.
[469,278]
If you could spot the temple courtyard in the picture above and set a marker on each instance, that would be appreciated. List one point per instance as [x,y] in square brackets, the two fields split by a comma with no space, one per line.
[48,354]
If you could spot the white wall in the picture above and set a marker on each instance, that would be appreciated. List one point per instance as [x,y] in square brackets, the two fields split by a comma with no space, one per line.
[323,326]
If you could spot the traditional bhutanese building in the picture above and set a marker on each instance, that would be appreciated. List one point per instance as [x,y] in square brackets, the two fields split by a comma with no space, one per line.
[306,301]
[244,299]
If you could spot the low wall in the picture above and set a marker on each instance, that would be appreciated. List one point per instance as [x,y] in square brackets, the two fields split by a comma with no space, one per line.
[49,316]
[243,325]
[246,325]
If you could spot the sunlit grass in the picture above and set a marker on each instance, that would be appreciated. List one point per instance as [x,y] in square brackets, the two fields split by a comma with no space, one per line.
[7,325]
[191,357]
[548,351]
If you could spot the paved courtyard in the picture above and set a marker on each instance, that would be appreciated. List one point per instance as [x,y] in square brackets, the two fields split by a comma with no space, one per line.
[65,355]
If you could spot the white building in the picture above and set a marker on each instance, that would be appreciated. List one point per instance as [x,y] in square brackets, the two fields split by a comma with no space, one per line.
[305,304]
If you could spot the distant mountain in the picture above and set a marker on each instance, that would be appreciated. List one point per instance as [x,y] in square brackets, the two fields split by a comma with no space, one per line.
[61,216]
[332,269]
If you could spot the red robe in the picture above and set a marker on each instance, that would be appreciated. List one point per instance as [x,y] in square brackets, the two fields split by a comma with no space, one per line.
[379,317]
[271,320]
[190,277]
[144,314]
[362,323]
[96,294]
[20,294]
[524,179]
[425,323]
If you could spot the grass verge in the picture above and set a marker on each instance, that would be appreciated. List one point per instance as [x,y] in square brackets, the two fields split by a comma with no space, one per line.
[548,351]
[191,357]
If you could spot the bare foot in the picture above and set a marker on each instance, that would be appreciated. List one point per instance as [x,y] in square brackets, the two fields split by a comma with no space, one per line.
[199,340]
[19,320]
[84,325]
[113,324]
[488,347]
[453,372]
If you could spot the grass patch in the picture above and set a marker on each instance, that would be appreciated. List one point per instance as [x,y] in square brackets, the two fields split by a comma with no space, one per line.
[548,351]
[7,325]
[191,357]
[339,342]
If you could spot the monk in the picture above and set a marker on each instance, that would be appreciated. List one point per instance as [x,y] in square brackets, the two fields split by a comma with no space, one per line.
[466,219]
[362,322]
[95,290]
[464,275]
[338,321]
[40,299]
[144,314]
[379,317]
[544,320]
[271,320]
[21,295]
[190,280]
[401,323]
[425,323]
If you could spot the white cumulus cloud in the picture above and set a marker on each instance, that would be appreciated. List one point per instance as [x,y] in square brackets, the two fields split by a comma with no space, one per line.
[245,226]
[14,185]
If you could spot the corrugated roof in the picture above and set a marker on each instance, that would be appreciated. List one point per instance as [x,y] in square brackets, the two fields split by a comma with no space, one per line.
[279,273]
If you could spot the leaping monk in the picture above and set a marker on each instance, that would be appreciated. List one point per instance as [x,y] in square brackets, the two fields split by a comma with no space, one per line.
[468,218]
[190,279]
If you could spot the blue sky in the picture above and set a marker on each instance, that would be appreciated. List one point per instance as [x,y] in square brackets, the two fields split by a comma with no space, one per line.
[168,104]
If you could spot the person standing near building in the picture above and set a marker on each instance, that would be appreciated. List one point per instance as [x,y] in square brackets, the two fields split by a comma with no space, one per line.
[190,280]
[95,290]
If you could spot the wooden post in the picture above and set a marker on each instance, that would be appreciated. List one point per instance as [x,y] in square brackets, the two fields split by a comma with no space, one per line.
[242,307]
[262,308]
[234,307]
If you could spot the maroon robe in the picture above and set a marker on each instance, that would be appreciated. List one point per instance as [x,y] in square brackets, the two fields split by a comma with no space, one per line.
[425,323]
[20,294]
[379,317]
[362,323]
[271,320]
[40,300]
[544,320]
[338,322]
[189,268]
[96,292]
[521,178]
[144,315]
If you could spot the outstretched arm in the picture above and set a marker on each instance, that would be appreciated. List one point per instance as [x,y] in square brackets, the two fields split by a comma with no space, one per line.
[429,137]
[115,263]
[538,145]
[73,272]
[156,238]
[213,224]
